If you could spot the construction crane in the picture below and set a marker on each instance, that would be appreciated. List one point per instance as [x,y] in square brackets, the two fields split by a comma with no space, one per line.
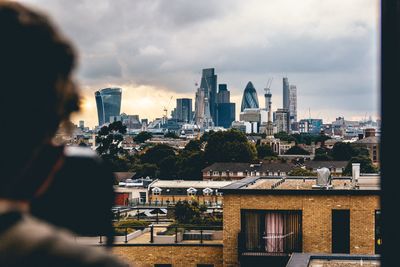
[166,108]
[269,82]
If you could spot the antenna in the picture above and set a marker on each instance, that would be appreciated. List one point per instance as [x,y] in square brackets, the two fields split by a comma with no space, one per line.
[309,113]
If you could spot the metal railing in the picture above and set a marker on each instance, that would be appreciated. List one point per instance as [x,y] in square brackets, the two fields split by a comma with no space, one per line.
[173,234]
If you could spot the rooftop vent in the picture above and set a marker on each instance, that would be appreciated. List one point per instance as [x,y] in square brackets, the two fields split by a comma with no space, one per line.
[323,179]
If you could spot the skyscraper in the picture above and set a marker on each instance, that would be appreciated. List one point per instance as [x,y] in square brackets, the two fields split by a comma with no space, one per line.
[108,101]
[209,84]
[281,120]
[202,110]
[183,109]
[223,95]
[225,109]
[293,103]
[250,99]
[286,93]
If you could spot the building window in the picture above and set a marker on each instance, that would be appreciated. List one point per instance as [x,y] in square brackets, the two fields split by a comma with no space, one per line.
[162,265]
[223,173]
[230,173]
[205,265]
[378,233]
[191,191]
[271,231]
[341,231]
[215,173]
[239,173]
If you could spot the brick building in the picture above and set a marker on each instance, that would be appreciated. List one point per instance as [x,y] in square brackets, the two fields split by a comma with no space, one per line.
[238,170]
[172,191]
[265,220]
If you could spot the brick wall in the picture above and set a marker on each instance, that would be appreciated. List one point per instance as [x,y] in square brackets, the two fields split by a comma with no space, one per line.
[316,220]
[178,256]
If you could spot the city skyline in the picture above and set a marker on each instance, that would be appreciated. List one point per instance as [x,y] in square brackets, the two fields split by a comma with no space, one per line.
[153,51]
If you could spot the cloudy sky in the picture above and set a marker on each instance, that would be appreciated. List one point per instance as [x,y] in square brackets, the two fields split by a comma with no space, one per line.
[155,50]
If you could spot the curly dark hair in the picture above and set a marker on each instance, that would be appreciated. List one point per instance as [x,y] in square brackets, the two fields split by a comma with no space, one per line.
[36,62]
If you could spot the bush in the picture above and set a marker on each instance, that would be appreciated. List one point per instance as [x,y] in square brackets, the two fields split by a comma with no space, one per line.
[132,224]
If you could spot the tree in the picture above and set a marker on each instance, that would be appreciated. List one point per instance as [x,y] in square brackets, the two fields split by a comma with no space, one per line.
[109,147]
[301,172]
[284,136]
[342,151]
[264,151]
[229,146]
[142,137]
[168,168]
[189,165]
[109,139]
[296,150]
[322,154]
[171,135]
[366,165]
[193,145]
[157,153]
[146,169]
[186,213]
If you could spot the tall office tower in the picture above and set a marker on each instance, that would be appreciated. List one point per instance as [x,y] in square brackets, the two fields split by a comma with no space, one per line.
[282,120]
[250,99]
[203,117]
[209,84]
[183,111]
[226,114]
[225,109]
[285,93]
[293,103]
[108,101]
[223,94]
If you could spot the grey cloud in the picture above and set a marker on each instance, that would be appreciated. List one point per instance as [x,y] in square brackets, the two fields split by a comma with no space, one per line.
[167,43]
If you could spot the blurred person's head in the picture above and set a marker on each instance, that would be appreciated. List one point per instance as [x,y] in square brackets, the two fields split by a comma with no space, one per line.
[37,91]
[36,62]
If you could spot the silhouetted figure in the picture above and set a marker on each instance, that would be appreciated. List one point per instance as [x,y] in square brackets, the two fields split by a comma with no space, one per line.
[44,188]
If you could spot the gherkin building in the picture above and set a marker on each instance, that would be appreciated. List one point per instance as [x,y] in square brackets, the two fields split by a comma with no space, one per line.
[250,99]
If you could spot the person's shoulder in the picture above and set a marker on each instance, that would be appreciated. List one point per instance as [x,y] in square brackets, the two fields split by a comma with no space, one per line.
[32,242]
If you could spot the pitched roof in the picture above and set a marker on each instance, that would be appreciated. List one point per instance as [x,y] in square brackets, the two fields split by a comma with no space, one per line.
[368,140]
[327,164]
[265,166]
[122,176]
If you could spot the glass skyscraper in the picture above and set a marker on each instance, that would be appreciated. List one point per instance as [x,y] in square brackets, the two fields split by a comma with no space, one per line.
[286,93]
[108,101]
[184,109]
[250,99]
[209,84]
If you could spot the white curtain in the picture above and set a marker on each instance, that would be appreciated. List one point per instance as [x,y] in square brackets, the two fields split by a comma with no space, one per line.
[274,232]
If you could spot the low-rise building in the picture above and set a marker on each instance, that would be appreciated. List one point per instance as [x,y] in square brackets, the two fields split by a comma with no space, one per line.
[172,191]
[237,170]
[268,219]
[372,143]
[130,191]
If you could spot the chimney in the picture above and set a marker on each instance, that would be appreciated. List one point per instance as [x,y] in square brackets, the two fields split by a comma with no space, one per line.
[360,136]
[355,174]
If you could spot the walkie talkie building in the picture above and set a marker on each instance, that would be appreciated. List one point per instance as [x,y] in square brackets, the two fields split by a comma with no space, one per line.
[108,101]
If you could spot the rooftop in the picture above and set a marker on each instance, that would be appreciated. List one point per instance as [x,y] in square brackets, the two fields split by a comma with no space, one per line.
[188,184]
[303,185]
